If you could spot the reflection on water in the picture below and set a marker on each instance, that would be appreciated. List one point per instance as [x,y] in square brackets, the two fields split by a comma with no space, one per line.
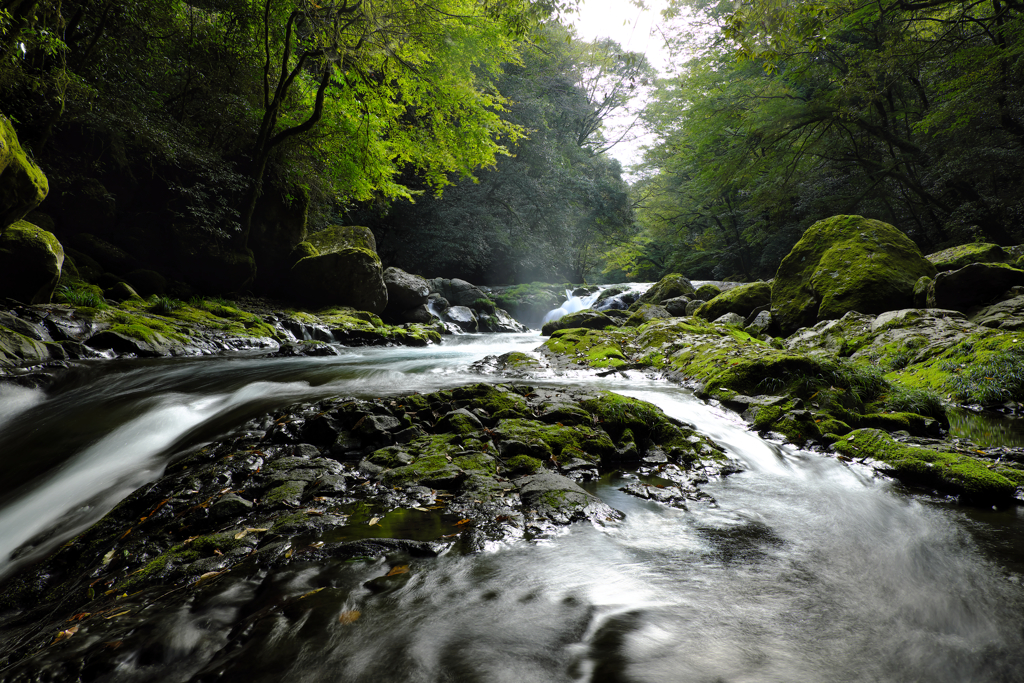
[986,428]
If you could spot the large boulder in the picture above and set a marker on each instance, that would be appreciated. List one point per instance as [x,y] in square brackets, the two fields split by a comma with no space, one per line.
[842,264]
[457,292]
[22,184]
[347,277]
[973,285]
[669,287]
[742,301]
[405,290]
[30,263]
[587,318]
[965,254]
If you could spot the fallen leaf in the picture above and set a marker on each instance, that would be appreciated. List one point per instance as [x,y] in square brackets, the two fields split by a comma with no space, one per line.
[462,521]
[374,520]
[67,633]
[312,592]
[109,556]
[79,616]
[400,569]
[119,614]
[349,616]
[417,507]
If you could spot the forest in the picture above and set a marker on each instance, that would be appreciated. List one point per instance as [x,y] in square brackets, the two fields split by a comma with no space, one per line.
[471,135]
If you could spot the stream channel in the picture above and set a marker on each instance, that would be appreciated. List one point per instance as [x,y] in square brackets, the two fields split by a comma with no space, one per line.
[806,569]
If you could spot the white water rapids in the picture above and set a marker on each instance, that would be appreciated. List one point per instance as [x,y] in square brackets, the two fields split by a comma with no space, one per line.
[805,570]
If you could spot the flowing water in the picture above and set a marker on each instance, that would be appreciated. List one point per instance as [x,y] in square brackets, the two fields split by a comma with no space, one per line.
[805,569]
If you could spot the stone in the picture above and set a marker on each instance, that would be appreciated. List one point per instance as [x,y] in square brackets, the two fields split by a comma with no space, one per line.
[416,314]
[973,285]
[676,305]
[588,318]
[707,291]
[30,263]
[457,292]
[645,314]
[348,277]
[560,499]
[147,282]
[957,257]
[120,291]
[729,319]
[22,184]
[693,306]
[760,325]
[921,287]
[742,301]
[1005,315]
[405,290]
[842,264]
[668,287]
[16,349]
[462,316]
[111,258]
[278,226]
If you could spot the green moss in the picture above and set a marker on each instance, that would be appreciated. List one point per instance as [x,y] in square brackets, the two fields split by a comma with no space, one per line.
[476,462]
[957,257]
[739,300]
[498,400]
[558,438]
[668,287]
[593,348]
[434,470]
[524,464]
[950,473]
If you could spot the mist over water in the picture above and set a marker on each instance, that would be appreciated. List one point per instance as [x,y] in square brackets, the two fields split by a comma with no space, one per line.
[805,569]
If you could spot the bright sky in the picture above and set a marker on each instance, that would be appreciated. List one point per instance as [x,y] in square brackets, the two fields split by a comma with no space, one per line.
[635,30]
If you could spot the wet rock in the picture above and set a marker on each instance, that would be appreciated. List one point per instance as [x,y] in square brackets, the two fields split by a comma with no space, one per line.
[462,316]
[405,290]
[559,499]
[589,319]
[30,263]
[973,285]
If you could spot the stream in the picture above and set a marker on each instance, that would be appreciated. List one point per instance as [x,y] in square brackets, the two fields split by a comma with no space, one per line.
[805,569]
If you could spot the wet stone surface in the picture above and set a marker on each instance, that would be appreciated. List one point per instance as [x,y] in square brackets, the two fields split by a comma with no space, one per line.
[344,478]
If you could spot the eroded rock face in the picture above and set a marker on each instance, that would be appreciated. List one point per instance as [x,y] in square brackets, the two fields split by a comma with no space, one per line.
[347,277]
[973,285]
[405,290]
[843,264]
[30,263]
[22,184]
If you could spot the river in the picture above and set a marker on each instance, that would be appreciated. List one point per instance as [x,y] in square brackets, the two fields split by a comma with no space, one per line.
[805,569]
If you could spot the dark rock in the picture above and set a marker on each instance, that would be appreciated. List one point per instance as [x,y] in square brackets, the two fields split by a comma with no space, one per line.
[30,263]
[405,290]
[349,277]
[588,318]
[973,285]
[676,305]
[558,498]
[462,316]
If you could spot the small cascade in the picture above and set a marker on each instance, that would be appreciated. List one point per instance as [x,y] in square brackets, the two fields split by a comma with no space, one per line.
[573,304]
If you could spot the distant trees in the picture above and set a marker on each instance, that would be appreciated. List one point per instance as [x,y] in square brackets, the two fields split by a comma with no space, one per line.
[910,112]
[548,209]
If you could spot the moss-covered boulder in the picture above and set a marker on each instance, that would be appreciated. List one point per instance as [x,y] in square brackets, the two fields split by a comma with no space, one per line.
[591,348]
[22,184]
[742,301]
[336,238]
[645,313]
[589,319]
[30,263]
[846,263]
[957,257]
[348,277]
[707,291]
[668,287]
[960,475]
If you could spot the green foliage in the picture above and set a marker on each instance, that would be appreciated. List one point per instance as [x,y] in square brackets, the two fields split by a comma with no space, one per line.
[82,295]
[165,306]
[997,379]
[791,112]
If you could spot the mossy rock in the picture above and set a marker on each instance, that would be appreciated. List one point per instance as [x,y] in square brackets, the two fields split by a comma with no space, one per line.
[589,319]
[593,348]
[556,438]
[957,257]
[846,263]
[668,287]
[30,263]
[348,276]
[335,238]
[22,184]
[742,301]
[707,292]
[645,313]
[16,349]
[952,473]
